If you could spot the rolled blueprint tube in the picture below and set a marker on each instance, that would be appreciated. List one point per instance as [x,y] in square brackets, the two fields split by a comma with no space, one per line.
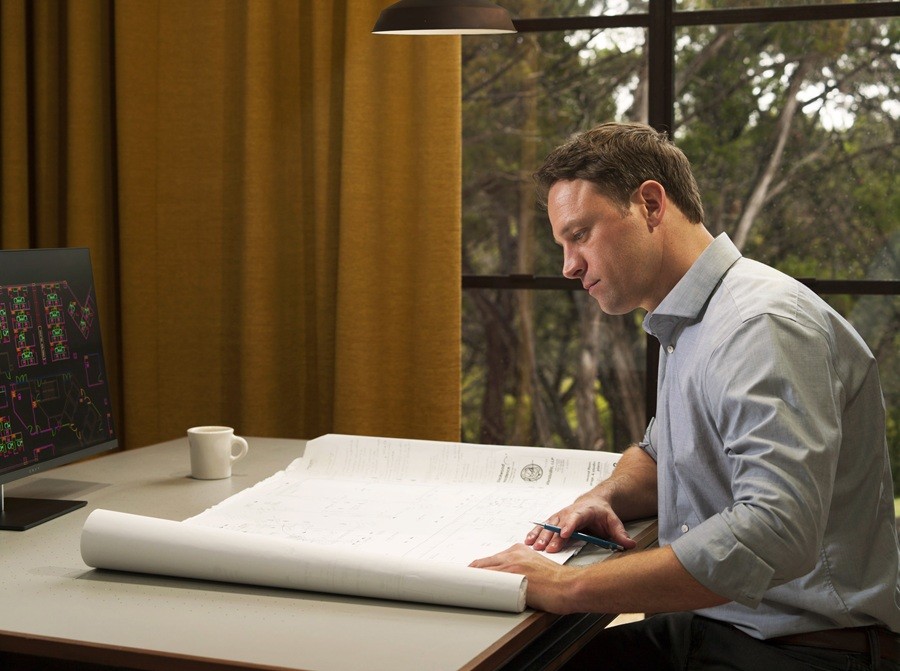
[125,542]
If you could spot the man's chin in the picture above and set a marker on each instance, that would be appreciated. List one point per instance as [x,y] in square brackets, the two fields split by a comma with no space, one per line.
[611,308]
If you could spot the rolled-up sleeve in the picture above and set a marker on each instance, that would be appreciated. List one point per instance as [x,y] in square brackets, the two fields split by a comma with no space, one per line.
[716,558]
[647,442]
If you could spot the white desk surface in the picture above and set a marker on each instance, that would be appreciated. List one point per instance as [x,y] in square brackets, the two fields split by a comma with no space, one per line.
[49,597]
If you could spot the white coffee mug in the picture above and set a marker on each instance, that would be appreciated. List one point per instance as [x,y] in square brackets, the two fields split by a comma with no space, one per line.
[212,451]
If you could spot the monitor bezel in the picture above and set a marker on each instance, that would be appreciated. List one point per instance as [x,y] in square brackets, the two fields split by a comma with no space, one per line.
[26,470]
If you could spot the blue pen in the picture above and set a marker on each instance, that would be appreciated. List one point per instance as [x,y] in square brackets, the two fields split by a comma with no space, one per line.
[593,540]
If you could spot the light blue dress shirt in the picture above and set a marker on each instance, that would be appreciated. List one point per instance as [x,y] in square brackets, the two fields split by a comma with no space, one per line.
[773,475]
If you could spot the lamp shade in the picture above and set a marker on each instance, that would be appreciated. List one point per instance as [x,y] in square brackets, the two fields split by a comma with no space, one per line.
[443,17]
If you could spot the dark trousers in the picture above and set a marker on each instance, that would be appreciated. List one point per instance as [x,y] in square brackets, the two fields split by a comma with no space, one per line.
[685,641]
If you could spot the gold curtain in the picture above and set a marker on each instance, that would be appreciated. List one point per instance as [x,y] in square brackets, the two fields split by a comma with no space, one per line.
[271,198]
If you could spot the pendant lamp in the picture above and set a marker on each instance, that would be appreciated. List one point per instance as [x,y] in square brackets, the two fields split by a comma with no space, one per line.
[443,17]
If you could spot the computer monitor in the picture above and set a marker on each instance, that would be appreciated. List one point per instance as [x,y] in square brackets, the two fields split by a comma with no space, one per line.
[55,405]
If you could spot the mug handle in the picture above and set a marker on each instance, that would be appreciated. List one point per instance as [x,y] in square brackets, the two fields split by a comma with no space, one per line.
[237,440]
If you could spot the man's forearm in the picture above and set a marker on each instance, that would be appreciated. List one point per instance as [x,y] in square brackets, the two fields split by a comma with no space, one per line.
[644,582]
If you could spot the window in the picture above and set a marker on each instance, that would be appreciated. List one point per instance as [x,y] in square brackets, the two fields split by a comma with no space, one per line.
[789,115]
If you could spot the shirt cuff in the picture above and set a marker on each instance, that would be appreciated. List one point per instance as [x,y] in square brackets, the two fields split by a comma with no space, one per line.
[714,556]
[646,443]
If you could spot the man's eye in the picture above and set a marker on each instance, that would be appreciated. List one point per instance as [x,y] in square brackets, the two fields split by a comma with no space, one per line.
[578,236]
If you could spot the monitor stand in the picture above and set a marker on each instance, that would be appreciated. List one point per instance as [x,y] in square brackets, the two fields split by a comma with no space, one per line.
[19,514]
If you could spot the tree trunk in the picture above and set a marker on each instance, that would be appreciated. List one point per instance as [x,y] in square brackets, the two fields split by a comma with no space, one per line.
[589,431]
[530,424]
[782,130]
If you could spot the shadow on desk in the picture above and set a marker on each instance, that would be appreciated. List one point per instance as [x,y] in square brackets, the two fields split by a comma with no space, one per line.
[56,488]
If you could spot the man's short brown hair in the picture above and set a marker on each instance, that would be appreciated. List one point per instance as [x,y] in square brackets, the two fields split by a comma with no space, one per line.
[617,158]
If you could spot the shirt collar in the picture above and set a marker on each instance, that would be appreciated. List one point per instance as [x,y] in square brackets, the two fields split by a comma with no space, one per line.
[688,297]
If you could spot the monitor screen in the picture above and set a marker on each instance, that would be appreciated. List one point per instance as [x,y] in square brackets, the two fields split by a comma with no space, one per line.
[55,405]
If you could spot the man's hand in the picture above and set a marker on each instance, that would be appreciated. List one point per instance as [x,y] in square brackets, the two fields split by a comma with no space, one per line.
[629,493]
[547,580]
[648,581]
[590,513]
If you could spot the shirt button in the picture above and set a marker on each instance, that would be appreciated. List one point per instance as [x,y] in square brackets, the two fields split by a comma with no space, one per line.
[684,528]
[670,349]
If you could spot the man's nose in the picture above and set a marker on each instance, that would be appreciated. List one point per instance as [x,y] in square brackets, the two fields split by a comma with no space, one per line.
[572,267]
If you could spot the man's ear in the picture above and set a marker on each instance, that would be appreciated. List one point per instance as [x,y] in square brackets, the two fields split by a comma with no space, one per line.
[651,196]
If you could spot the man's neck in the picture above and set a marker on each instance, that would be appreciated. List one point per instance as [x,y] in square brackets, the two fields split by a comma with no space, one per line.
[684,242]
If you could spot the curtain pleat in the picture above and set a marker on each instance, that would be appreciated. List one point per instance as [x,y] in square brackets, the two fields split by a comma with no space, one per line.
[15,127]
[399,223]
[271,197]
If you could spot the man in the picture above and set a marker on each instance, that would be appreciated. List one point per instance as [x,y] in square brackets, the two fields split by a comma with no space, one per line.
[766,464]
